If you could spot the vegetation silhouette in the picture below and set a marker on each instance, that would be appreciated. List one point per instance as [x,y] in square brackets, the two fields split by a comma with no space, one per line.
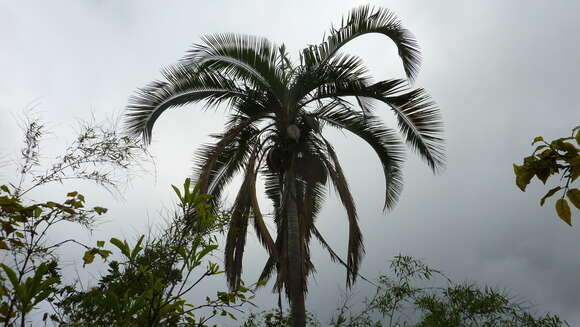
[278,111]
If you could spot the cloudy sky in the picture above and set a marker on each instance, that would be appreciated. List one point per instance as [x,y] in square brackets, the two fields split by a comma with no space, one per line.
[501,71]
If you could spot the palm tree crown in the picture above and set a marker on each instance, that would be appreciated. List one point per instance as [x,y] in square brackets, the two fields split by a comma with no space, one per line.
[279,109]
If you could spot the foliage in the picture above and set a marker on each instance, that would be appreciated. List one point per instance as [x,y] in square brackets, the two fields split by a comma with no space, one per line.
[148,285]
[414,294]
[98,153]
[558,157]
[30,271]
[411,296]
[279,109]
[34,274]
[144,288]
[276,318]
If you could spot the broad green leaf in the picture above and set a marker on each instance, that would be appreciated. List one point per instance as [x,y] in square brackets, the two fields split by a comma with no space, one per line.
[262,282]
[543,174]
[574,172]
[72,194]
[574,196]
[523,176]
[104,253]
[89,257]
[537,139]
[5,189]
[100,244]
[549,194]
[563,210]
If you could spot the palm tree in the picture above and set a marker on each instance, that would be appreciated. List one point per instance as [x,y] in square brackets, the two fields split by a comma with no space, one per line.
[278,110]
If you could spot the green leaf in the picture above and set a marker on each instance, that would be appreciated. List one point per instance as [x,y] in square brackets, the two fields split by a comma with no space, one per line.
[72,194]
[100,244]
[205,251]
[123,246]
[186,186]
[37,212]
[8,228]
[537,139]
[523,176]
[549,194]
[5,189]
[262,282]
[578,136]
[176,189]
[574,196]
[11,276]
[100,210]
[563,210]
[89,257]
[543,174]
[574,172]
[137,247]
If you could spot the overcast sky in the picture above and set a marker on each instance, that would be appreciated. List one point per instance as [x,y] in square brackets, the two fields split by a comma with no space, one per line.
[501,71]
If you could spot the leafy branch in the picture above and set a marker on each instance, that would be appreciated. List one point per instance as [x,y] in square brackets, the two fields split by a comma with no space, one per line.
[558,157]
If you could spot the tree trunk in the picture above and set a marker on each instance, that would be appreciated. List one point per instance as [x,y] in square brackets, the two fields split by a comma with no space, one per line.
[295,262]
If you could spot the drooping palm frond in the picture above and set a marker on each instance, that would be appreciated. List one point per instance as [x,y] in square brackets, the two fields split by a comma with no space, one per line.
[355,88]
[213,159]
[355,239]
[244,58]
[365,20]
[383,140]
[418,116]
[259,225]
[184,85]
[243,208]
[421,124]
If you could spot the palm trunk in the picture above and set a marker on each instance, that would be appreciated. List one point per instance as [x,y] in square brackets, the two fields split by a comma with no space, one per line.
[295,262]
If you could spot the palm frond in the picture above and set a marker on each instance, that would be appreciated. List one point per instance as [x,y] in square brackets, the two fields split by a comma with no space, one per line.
[355,239]
[183,85]
[342,68]
[243,57]
[382,139]
[236,238]
[355,88]
[420,123]
[418,116]
[227,154]
[365,20]
[261,229]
